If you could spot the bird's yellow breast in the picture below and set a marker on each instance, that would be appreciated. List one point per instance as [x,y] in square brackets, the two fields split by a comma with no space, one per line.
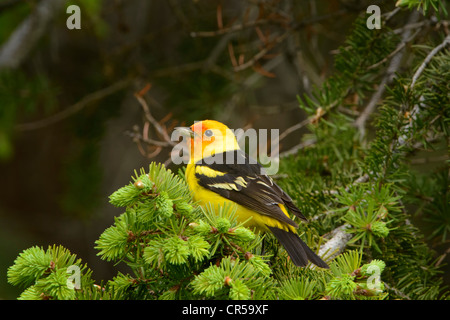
[253,220]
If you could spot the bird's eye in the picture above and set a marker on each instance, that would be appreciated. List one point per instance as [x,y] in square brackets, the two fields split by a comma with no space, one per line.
[208,133]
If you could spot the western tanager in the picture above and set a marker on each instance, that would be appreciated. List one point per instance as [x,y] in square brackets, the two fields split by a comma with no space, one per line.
[219,172]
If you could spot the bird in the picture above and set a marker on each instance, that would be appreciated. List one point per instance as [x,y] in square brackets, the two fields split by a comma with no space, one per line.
[219,173]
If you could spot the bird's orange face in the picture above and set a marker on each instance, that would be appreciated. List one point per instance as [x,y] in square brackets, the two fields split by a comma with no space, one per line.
[210,137]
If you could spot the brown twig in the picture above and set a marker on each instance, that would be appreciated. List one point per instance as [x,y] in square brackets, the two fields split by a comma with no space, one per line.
[298,147]
[154,147]
[294,128]
[263,18]
[148,116]
[71,110]
[428,59]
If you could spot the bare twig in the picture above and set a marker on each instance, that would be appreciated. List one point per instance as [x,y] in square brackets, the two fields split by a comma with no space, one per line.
[415,111]
[397,292]
[415,26]
[136,136]
[442,257]
[71,110]
[387,16]
[295,127]
[393,53]
[148,116]
[297,147]
[288,26]
[428,59]
[278,40]
[154,147]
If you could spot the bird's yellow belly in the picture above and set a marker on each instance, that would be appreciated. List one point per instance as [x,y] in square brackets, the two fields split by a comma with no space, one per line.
[253,220]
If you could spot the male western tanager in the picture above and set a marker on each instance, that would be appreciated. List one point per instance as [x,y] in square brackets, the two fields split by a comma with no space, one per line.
[219,172]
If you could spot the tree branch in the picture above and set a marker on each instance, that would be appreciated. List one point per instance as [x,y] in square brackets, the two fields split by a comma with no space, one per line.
[427,60]
[148,116]
[71,110]
[24,38]
[337,243]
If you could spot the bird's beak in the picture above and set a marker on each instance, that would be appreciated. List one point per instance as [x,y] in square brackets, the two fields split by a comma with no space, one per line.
[185,131]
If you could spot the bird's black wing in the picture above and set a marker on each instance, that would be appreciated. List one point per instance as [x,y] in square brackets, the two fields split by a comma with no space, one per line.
[239,178]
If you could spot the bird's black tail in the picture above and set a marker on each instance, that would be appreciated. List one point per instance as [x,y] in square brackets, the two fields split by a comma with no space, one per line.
[299,252]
